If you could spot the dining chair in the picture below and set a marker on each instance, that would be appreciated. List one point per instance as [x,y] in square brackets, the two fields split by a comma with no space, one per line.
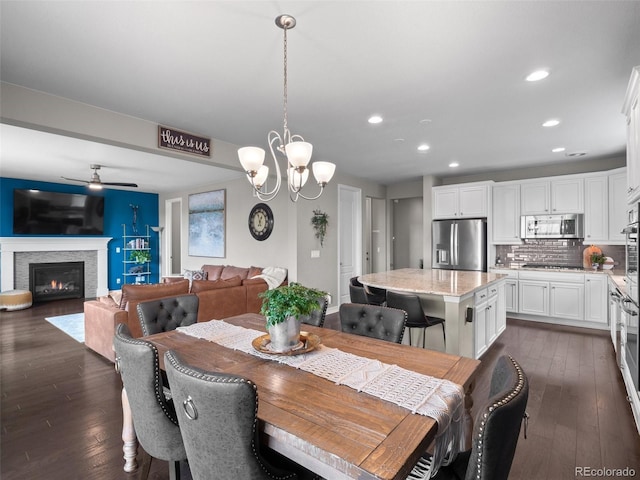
[218,419]
[154,416]
[316,318]
[373,321]
[165,314]
[416,318]
[496,430]
[373,295]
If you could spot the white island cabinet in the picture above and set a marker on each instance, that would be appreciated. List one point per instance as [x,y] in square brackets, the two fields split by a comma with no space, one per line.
[472,303]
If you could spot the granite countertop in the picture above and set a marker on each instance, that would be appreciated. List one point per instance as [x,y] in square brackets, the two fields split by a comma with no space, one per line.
[616,274]
[455,283]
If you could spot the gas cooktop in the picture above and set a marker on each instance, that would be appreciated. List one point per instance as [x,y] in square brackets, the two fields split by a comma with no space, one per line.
[553,267]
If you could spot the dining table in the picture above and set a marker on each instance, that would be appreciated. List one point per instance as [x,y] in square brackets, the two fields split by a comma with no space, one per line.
[333,430]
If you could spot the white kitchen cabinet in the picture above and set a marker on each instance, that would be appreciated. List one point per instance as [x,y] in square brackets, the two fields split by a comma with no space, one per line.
[488,324]
[511,295]
[566,300]
[596,209]
[552,196]
[460,201]
[501,310]
[506,214]
[631,109]
[595,298]
[533,297]
[617,207]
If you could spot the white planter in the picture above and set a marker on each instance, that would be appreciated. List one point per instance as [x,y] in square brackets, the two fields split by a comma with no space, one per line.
[284,336]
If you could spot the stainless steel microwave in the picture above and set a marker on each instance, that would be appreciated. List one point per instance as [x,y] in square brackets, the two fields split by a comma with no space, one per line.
[552,226]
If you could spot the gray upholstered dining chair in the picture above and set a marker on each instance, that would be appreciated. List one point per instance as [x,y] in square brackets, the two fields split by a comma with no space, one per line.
[373,321]
[164,314]
[154,416]
[218,419]
[372,295]
[496,430]
[416,318]
[316,318]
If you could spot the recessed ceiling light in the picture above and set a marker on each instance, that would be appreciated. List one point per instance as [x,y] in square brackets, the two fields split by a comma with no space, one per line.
[551,123]
[423,148]
[558,150]
[454,164]
[425,120]
[399,140]
[537,75]
[375,119]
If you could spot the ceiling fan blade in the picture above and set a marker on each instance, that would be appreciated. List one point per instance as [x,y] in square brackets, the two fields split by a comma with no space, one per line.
[75,180]
[119,184]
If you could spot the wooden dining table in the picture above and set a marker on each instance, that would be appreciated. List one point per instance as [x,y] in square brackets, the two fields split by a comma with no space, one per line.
[332,430]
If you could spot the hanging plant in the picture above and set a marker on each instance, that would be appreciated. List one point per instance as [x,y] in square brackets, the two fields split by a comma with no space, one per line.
[320,220]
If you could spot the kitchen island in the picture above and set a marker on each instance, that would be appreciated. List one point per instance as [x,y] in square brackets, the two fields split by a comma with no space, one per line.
[472,303]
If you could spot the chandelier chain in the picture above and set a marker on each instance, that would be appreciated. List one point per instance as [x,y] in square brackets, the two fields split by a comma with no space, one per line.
[286,127]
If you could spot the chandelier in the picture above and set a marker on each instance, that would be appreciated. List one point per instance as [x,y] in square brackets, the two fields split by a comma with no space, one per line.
[292,147]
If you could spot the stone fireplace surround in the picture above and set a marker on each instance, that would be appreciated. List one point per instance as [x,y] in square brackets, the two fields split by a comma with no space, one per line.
[17,252]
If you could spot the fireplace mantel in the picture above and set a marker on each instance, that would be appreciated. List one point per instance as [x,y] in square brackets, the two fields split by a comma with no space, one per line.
[10,245]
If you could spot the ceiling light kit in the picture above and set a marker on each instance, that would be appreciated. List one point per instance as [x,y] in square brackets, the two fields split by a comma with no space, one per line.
[558,149]
[423,147]
[551,123]
[375,119]
[293,147]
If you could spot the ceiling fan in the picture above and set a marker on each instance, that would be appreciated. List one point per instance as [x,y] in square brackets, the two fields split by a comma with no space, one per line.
[97,184]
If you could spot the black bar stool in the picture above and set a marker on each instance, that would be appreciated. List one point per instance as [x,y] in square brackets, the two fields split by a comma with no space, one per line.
[416,318]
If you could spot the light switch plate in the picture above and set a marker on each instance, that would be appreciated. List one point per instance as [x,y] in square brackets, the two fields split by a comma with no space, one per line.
[315,253]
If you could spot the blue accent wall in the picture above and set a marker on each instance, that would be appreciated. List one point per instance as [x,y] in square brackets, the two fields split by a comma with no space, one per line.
[117,211]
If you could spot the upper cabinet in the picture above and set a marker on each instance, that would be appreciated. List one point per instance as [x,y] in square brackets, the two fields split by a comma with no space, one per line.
[460,201]
[552,197]
[596,211]
[617,206]
[631,109]
[505,214]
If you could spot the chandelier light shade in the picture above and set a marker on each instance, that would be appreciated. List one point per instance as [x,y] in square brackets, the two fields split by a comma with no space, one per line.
[296,151]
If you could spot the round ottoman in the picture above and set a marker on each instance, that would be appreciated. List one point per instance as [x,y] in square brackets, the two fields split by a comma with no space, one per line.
[15,300]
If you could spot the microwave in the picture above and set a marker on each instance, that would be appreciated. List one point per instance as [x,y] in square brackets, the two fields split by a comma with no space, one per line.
[552,226]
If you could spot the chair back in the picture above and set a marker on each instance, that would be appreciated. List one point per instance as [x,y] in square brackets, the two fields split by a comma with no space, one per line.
[497,425]
[357,294]
[373,321]
[410,304]
[316,318]
[153,415]
[165,314]
[218,419]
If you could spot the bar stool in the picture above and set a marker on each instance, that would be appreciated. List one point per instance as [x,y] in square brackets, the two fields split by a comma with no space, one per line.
[416,318]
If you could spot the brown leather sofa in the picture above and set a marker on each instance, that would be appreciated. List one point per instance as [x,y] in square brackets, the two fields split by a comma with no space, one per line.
[228,291]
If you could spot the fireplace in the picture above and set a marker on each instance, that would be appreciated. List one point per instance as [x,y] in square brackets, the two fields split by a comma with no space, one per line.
[56,281]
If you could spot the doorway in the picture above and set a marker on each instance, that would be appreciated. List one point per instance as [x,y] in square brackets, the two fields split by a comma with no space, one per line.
[376,235]
[349,238]
[173,238]
[408,235]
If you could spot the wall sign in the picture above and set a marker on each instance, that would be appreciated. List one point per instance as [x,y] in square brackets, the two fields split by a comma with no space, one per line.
[173,139]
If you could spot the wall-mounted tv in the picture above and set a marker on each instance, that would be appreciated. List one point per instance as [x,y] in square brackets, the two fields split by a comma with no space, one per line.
[38,212]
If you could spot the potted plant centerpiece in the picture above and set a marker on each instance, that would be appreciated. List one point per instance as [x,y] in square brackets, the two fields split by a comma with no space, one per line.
[597,259]
[283,307]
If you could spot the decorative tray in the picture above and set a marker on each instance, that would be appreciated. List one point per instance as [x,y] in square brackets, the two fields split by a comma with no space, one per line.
[308,342]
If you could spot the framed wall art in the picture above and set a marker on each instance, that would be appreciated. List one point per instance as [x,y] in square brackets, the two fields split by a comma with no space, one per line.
[207,224]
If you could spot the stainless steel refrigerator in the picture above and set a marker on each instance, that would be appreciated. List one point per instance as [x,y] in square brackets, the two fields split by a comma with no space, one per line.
[459,244]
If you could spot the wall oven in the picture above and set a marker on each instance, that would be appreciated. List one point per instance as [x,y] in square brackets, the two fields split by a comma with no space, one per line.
[630,302]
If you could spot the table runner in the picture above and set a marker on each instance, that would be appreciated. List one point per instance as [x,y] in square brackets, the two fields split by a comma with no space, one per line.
[437,398]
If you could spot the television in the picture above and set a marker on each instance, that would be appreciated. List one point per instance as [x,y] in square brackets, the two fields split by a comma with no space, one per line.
[38,212]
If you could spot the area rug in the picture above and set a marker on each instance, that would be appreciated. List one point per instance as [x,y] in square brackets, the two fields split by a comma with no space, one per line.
[72,325]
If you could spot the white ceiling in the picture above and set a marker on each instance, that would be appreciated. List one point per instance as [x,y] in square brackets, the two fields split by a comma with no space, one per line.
[447,73]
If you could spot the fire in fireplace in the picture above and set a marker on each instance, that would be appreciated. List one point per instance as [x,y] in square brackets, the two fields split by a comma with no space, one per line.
[56,281]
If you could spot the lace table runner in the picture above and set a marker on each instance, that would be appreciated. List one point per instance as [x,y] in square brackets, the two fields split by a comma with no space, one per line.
[439,399]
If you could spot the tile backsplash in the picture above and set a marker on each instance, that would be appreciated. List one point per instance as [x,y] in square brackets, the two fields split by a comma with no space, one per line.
[552,252]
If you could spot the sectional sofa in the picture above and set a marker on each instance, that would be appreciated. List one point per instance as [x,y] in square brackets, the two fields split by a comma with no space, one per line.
[223,291]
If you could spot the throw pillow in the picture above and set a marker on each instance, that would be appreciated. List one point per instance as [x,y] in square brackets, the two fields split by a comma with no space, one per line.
[230,272]
[213,271]
[192,275]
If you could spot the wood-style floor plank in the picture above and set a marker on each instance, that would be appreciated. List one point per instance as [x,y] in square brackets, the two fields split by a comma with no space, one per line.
[61,415]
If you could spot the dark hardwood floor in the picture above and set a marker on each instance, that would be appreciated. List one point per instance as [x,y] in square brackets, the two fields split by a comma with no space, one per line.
[61,415]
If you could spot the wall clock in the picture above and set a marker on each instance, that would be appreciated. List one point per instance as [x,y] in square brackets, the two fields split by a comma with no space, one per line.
[261,221]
